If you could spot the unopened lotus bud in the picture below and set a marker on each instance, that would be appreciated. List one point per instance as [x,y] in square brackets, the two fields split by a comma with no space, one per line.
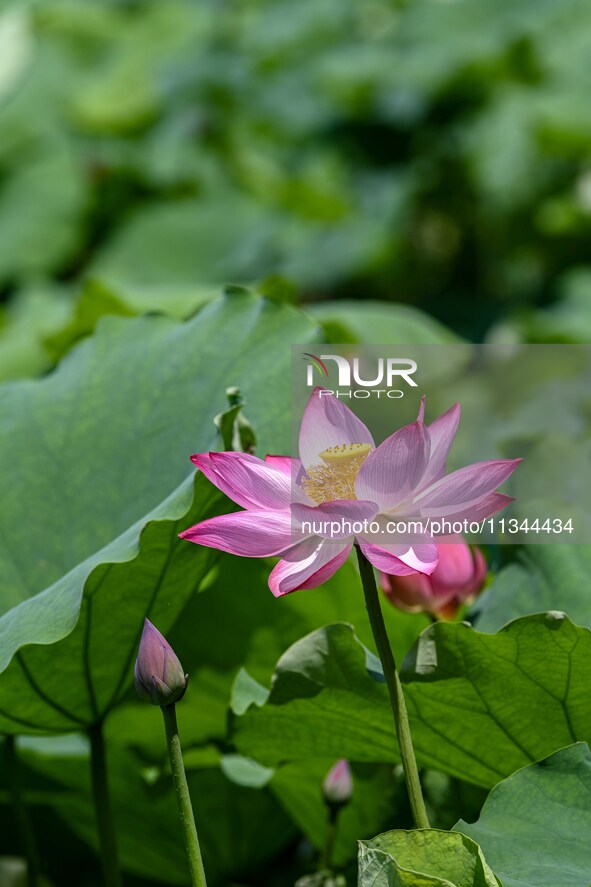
[159,676]
[458,577]
[337,787]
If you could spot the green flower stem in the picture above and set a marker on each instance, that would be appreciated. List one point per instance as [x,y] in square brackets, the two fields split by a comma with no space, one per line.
[21,814]
[102,806]
[407,754]
[179,779]
[331,833]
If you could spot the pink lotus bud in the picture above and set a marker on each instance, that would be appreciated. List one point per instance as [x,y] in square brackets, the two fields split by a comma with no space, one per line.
[337,787]
[457,579]
[159,676]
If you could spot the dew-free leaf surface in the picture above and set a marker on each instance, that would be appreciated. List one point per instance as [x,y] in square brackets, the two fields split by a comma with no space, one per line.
[481,706]
[423,858]
[535,826]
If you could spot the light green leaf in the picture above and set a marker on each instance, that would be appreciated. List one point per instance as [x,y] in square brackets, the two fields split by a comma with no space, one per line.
[544,577]
[212,239]
[245,771]
[246,691]
[103,448]
[535,827]
[379,322]
[16,47]
[55,186]
[481,706]
[97,299]
[30,316]
[423,858]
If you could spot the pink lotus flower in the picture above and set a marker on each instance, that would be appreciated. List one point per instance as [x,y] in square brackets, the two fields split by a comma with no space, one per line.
[457,579]
[342,478]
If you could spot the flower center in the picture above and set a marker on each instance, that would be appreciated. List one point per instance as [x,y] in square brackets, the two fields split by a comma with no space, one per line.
[335,479]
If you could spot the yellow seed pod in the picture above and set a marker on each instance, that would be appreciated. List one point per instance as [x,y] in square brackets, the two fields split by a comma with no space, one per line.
[345,452]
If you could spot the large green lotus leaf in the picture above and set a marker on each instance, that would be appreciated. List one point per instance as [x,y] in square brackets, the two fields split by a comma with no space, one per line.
[232,820]
[370,321]
[544,577]
[423,858]
[535,827]
[41,324]
[102,445]
[481,706]
[96,299]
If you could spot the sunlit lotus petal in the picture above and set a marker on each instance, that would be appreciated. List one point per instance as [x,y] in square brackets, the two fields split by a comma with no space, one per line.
[285,464]
[326,423]
[441,435]
[249,481]
[308,565]
[248,533]
[393,559]
[395,468]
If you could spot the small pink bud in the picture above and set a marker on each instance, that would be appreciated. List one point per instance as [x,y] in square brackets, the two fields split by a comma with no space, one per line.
[457,579]
[159,676]
[337,787]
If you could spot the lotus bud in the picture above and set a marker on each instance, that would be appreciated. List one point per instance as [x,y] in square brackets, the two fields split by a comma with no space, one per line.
[337,787]
[158,674]
[457,579]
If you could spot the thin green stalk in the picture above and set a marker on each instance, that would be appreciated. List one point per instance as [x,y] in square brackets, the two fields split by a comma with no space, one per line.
[102,806]
[179,779]
[331,833]
[407,754]
[21,814]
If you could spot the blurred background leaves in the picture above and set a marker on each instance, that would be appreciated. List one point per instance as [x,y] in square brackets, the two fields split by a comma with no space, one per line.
[407,172]
[431,153]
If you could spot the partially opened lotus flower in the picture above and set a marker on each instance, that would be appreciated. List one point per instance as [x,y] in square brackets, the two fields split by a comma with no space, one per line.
[457,579]
[342,479]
